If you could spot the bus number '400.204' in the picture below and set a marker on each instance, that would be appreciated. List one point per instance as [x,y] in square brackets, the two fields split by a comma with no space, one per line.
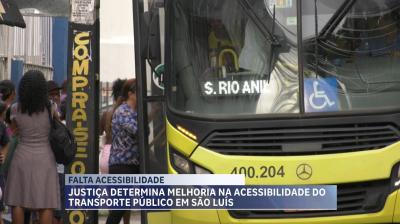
[261,172]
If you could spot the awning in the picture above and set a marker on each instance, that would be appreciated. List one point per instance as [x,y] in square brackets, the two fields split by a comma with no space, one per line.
[10,15]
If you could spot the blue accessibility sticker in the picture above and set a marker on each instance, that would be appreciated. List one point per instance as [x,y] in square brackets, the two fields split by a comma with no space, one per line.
[321,95]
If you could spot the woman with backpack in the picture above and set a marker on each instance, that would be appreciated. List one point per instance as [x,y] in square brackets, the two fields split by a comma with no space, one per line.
[32,181]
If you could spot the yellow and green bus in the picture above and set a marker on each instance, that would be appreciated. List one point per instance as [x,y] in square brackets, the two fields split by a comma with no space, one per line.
[286,92]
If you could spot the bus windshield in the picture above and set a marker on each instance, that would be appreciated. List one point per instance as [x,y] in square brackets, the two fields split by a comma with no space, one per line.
[240,57]
[225,61]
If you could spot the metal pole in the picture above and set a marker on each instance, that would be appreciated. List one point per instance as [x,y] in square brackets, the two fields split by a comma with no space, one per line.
[107,94]
[138,7]
[300,54]
[10,50]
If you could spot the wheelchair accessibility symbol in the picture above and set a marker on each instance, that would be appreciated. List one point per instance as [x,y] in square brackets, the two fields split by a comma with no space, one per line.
[321,95]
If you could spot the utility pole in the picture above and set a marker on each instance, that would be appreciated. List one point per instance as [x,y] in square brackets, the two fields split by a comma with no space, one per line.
[83,97]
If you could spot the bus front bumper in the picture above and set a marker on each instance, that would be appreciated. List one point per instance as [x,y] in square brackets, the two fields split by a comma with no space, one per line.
[332,169]
[389,214]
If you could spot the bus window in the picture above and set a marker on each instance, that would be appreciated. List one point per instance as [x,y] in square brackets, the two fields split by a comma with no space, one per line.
[361,53]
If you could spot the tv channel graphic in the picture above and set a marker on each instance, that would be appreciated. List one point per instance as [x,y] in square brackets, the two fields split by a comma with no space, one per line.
[190,192]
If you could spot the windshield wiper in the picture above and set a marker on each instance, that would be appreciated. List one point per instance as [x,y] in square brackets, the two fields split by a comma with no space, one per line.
[316,50]
[257,21]
[268,35]
[330,26]
[336,19]
[272,50]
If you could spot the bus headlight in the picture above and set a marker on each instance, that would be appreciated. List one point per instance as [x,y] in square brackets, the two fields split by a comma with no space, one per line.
[200,170]
[397,182]
[396,177]
[183,165]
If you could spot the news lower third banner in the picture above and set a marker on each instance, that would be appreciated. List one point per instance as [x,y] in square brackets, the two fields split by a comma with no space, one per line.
[181,192]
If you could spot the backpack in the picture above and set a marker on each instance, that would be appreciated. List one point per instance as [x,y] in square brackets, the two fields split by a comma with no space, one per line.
[62,141]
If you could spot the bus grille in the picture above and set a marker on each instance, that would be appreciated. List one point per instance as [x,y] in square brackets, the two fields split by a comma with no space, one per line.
[355,198]
[302,140]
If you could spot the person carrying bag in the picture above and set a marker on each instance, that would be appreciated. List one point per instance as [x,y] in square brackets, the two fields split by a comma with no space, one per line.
[62,141]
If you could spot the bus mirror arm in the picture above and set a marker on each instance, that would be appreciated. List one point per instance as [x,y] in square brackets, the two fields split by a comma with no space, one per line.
[150,36]
[145,27]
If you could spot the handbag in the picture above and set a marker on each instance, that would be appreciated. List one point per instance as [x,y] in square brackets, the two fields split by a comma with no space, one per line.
[62,141]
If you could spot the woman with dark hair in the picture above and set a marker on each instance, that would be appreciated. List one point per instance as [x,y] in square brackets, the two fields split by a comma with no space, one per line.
[124,155]
[7,92]
[105,125]
[32,181]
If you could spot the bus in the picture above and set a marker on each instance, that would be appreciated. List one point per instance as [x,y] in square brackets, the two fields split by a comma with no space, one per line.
[286,92]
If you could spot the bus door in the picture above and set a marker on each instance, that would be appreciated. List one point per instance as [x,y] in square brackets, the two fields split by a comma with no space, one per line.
[148,16]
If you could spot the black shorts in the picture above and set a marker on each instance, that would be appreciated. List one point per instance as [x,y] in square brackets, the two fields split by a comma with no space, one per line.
[124,169]
[59,213]
[2,186]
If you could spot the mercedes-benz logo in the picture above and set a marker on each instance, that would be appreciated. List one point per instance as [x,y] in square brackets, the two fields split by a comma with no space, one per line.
[304,171]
